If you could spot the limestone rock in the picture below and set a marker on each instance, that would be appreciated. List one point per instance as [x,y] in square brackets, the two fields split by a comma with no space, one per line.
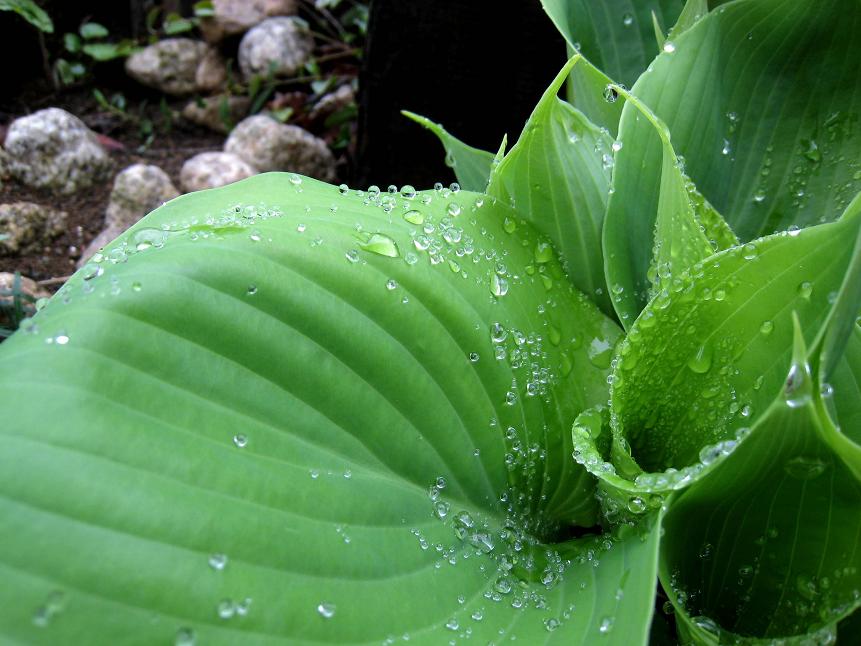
[269,145]
[30,227]
[52,149]
[178,66]
[282,44]
[238,16]
[209,170]
[207,112]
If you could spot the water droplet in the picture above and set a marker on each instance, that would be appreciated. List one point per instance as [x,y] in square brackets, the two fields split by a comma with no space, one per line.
[452,624]
[352,255]
[414,217]
[701,360]
[606,625]
[473,357]
[145,238]
[628,19]
[610,94]
[300,227]
[552,624]
[382,245]
[600,352]
[408,191]
[766,328]
[498,285]
[91,270]
[252,290]
[255,236]
[61,338]
[240,440]
[509,225]
[326,610]
[218,561]
[616,146]
[136,286]
[498,333]
[343,189]
[636,505]
[391,284]
[294,179]
[453,209]
[725,150]
[185,637]
[226,608]
[543,252]
[805,467]
[805,290]
[669,47]
[798,390]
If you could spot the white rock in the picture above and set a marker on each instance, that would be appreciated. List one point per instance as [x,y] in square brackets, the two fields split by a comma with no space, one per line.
[269,145]
[177,66]
[30,227]
[209,170]
[238,16]
[282,44]
[52,149]
[138,189]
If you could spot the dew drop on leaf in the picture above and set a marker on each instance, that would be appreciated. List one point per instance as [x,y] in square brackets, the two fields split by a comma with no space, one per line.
[805,467]
[414,216]
[240,440]
[701,361]
[326,610]
[218,561]
[382,245]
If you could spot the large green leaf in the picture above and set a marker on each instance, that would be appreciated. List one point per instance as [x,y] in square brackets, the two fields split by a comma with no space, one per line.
[759,98]
[556,177]
[616,35]
[471,165]
[352,410]
[766,545]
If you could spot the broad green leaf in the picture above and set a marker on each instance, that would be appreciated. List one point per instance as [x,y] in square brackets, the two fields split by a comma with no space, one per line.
[765,546]
[31,12]
[756,98]
[108,51]
[556,177]
[616,35]
[845,387]
[328,417]
[471,166]
[709,354]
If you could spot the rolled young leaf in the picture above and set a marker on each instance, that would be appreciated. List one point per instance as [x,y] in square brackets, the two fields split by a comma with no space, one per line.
[556,177]
[756,97]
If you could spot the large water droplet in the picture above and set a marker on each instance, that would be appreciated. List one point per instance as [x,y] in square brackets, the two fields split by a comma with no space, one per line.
[326,610]
[382,245]
[701,360]
[804,467]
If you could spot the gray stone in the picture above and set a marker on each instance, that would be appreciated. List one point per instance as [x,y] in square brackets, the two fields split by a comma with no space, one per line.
[269,145]
[52,149]
[178,66]
[138,189]
[281,44]
[207,112]
[210,170]
[211,73]
[238,16]
[30,227]
[333,102]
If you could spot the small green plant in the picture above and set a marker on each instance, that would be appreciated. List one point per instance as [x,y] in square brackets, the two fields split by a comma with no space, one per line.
[88,46]
[16,305]
[614,367]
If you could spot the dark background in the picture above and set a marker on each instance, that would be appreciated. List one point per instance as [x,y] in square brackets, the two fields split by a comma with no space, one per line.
[476,66]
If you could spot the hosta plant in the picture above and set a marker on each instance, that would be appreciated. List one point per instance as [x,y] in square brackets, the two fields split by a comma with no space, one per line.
[604,392]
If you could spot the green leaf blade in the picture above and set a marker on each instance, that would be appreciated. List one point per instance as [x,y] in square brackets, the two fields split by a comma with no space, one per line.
[253,383]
